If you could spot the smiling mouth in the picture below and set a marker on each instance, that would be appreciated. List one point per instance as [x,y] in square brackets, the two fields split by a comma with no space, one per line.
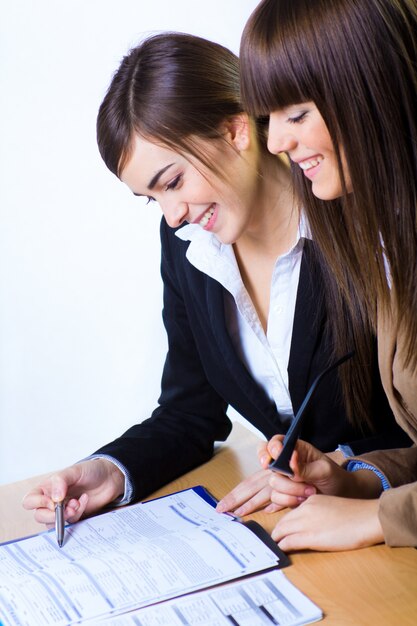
[308,164]
[206,217]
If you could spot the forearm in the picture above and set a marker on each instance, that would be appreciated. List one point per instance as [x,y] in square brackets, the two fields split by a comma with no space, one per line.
[163,448]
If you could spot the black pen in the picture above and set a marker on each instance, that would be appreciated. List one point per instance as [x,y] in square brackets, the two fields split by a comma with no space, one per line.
[282,462]
[59,522]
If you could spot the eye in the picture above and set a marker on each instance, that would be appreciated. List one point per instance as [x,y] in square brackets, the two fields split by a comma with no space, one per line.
[173,183]
[150,199]
[298,118]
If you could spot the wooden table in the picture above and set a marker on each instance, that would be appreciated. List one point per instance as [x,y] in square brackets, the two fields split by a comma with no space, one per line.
[370,587]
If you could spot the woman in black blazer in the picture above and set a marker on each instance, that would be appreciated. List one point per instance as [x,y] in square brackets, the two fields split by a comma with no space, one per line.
[244,286]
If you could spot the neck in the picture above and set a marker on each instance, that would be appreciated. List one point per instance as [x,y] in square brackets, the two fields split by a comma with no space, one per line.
[273,227]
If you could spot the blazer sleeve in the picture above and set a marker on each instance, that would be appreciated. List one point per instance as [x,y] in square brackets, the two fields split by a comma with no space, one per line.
[399,466]
[398,515]
[191,416]
[397,505]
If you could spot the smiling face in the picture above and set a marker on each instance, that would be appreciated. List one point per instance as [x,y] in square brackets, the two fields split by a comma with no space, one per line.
[187,191]
[300,131]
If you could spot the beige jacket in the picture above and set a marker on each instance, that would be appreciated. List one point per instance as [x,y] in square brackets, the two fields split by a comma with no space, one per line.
[398,506]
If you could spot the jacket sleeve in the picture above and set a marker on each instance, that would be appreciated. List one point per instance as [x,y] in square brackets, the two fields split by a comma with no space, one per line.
[399,466]
[191,416]
[397,505]
[398,515]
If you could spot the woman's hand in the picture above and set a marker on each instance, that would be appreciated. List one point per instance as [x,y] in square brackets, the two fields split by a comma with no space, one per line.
[86,487]
[252,494]
[329,523]
[317,473]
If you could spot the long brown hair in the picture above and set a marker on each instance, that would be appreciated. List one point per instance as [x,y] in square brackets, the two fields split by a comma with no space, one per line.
[357,60]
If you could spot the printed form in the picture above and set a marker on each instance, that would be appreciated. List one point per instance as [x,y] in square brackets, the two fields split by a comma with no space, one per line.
[261,600]
[124,559]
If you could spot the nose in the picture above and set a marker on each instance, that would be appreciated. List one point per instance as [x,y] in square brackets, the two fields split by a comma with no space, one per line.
[280,137]
[174,213]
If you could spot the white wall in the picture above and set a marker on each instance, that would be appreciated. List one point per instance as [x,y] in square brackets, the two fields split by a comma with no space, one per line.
[81,338]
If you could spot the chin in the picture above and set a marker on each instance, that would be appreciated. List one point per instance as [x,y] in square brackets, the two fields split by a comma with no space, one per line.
[327,194]
[227,238]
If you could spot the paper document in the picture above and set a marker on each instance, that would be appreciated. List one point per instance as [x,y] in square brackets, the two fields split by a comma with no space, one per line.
[256,601]
[127,558]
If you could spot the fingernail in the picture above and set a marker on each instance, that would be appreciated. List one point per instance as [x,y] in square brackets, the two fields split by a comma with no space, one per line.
[310,491]
[220,508]
[275,451]
[264,459]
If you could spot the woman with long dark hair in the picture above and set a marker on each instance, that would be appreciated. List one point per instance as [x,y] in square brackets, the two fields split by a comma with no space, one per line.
[338,80]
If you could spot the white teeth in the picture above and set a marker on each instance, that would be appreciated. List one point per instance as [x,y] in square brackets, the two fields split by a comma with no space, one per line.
[306,165]
[206,217]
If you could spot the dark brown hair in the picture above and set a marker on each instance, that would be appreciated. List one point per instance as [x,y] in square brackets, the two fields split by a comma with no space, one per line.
[170,88]
[357,60]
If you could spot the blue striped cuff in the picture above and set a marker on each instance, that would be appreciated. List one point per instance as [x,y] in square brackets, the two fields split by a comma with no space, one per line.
[354,466]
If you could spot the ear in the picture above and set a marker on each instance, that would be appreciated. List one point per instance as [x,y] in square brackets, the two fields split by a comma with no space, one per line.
[238,131]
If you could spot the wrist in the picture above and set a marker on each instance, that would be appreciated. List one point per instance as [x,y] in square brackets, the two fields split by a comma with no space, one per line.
[336,456]
[115,478]
[370,525]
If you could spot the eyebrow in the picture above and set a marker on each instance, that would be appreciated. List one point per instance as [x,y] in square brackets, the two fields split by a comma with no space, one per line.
[157,176]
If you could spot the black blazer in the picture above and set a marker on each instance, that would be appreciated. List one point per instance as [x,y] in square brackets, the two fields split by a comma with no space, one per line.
[203,375]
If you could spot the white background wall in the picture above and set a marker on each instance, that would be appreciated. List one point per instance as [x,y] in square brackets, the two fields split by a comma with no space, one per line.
[81,338]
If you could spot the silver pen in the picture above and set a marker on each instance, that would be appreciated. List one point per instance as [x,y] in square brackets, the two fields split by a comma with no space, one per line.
[59,522]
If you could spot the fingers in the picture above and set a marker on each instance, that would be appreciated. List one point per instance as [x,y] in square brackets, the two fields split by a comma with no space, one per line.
[273,508]
[257,502]
[301,471]
[274,446]
[269,450]
[42,499]
[287,492]
[248,496]
[53,489]
[330,523]
[263,455]
[36,499]
[74,510]
[84,487]
[297,541]
[289,525]
[58,487]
